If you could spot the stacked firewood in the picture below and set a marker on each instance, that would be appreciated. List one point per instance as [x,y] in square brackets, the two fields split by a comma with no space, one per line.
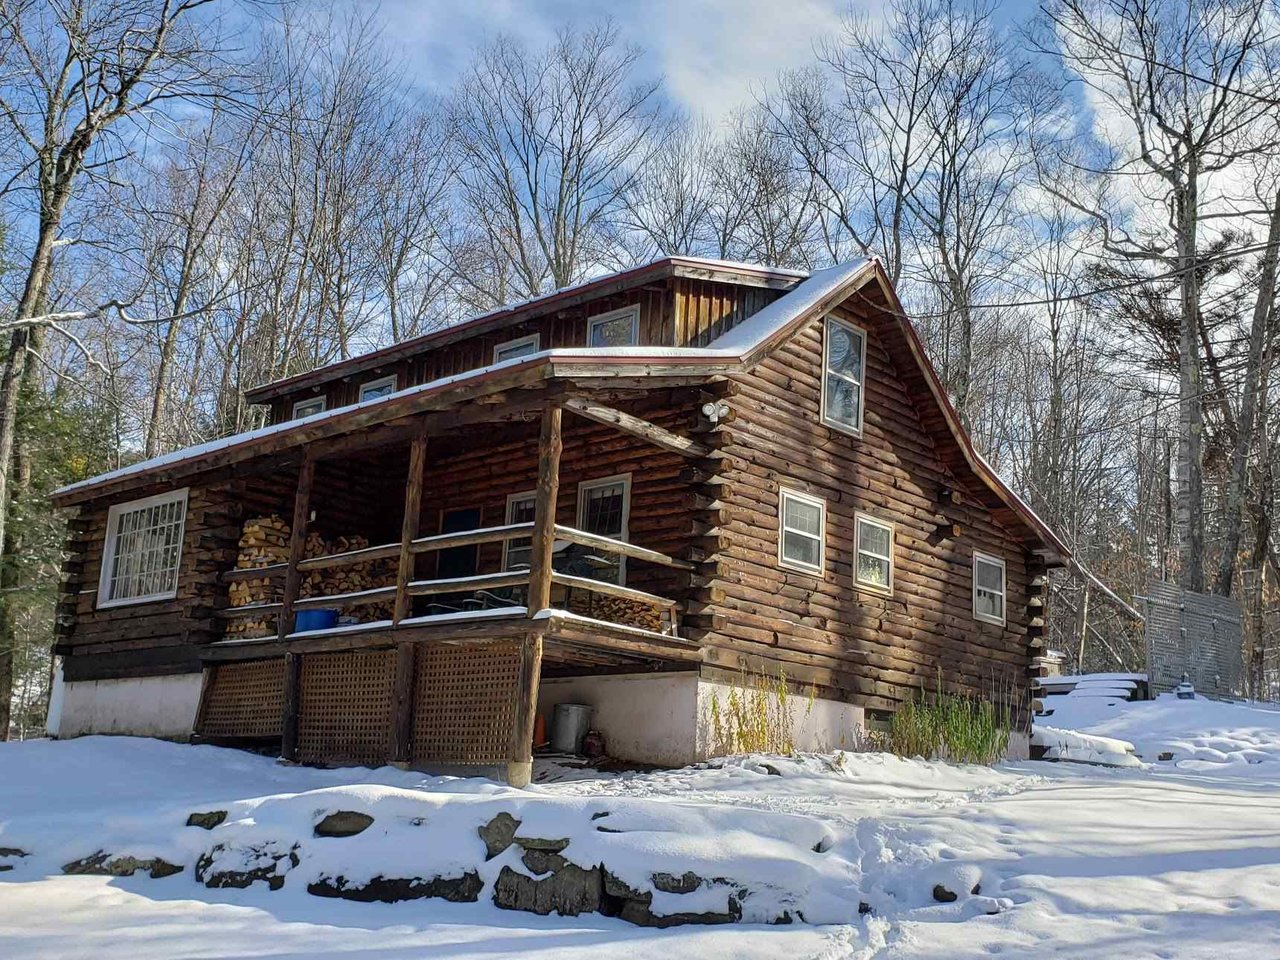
[265,541]
[631,613]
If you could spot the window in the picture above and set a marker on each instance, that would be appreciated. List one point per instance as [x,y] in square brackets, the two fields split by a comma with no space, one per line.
[377,388]
[618,328]
[515,552]
[988,588]
[142,549]
[873,564]
[844,358]
[516,348]
[308,408]
[802,534]
[603,508]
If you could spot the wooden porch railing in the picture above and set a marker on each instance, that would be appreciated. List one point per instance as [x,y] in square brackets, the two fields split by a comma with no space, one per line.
[485,581]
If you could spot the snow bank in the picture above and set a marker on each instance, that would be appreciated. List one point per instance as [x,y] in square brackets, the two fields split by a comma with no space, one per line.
[1212,734]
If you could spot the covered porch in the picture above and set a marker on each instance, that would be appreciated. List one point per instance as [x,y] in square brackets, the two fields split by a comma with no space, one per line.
[550,534]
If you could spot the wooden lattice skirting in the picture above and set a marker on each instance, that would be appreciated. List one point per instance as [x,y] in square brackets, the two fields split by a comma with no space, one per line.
[345,707]
[465,700]
[243,700]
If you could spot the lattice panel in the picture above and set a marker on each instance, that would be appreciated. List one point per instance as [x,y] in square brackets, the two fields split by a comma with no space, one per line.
[465,702]
[244,699]
[345,707]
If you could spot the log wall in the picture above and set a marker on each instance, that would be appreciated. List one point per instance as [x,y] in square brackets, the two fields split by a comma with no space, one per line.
[860,645]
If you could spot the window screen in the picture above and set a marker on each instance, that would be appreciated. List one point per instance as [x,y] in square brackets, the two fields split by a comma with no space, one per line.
[988,588]
[845,352]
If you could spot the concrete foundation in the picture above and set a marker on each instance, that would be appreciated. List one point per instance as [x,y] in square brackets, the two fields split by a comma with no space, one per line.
[666,718]
[144,707]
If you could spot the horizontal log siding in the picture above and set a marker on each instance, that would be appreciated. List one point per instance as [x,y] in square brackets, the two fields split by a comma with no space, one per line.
[161,637]
[857,644]
[563,328]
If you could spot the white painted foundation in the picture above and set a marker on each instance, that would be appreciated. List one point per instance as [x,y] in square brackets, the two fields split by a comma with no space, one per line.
[665,718]
[143,706]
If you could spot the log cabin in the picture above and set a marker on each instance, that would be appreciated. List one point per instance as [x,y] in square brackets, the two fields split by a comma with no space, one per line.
[634,494]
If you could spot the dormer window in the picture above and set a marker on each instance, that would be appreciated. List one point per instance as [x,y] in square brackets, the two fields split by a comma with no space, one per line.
[617,328]
[516,348]
[308,408]
[844,358]
[377,388]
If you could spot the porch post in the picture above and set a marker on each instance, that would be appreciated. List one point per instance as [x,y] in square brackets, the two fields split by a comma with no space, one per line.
[520,766]
[409,528]
[297,543]
[544,511]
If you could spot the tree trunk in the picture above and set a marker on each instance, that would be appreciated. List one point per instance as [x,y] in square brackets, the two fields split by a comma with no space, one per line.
[1190,493]
[1262,310]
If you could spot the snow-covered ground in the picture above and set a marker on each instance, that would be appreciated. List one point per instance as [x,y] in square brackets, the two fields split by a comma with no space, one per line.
[1179,858]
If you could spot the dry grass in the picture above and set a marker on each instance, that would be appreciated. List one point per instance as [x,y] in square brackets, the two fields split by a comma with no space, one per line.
[755,716]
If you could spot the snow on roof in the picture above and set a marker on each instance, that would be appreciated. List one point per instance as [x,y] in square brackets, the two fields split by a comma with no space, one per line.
[756,330]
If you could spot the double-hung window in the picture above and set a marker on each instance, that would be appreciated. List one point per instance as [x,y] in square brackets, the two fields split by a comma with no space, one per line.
[515,348]
[988,588]
[873,563]
[844,360]
[308,408]
[618,328]
[802,523]
[142,551]
[517,550]
[374,389]
[603,506]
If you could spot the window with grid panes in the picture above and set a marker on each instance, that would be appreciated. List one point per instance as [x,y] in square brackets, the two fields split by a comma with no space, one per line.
[602,510]
[143,549]
[844,350]
[520,509]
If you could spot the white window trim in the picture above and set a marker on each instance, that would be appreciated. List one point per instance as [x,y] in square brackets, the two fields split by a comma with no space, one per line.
[600,318]
[625,537]
[785,494]
[859,519]
[514,498]
[376,384]
[1004,588]
[831,422]
[324,405]
[109,549]
[533,340]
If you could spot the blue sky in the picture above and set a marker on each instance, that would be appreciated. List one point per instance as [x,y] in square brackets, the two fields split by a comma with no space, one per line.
[712,54]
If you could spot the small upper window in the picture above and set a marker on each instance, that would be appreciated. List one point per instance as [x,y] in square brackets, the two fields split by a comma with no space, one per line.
[844,352]
[618,328]
[988,588]
[802,522]
[873,568]
[377,388]
[517,550]
[516,348]
[142,550]
[308,408]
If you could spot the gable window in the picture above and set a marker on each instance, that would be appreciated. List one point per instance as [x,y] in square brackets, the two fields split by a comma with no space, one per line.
[142,550]
[377,388]
[516,348]
[308,408]
[844,360]
[873,564]
[603,508]
[802,522]
[618,328]
[988,588]
[516,551]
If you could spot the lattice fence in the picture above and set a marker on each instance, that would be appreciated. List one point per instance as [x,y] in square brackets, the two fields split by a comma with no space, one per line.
[1197,634]
[465,697]
[244,699]
[345,707]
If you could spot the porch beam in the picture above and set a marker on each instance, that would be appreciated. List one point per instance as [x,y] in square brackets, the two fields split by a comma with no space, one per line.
[658,436]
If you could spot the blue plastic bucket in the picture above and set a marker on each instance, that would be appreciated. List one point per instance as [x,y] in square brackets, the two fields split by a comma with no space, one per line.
[318,618]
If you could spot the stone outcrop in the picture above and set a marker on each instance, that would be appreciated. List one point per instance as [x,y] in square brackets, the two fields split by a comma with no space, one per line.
[207,820]
[463,889]
[343,823]
[273,862]
[103,864]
